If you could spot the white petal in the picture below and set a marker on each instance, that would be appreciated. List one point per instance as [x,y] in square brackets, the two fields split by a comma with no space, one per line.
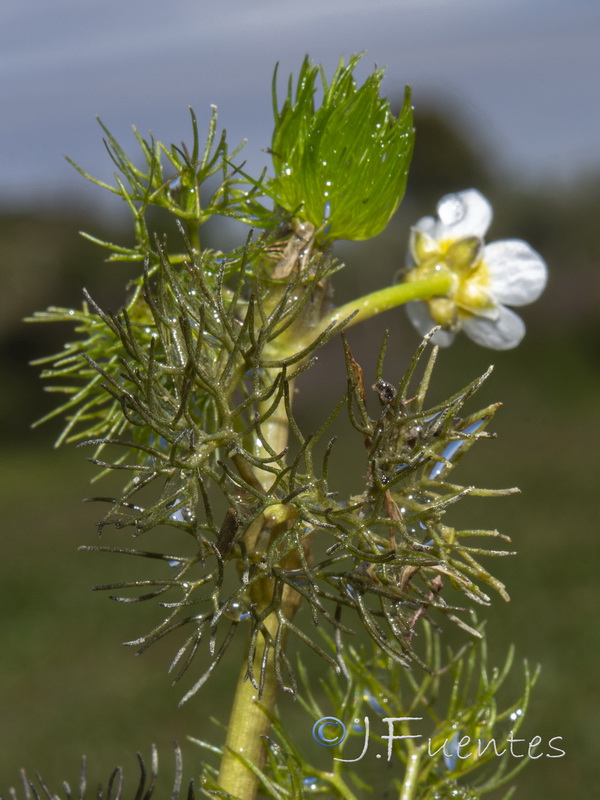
[418,314]
[518,273]
[463,214]
[426,225]
[502,333]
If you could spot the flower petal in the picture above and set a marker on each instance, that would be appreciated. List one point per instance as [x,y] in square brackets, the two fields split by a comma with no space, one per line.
[419,315]
[502,333]
[426,225]
[465,213]
[518,273]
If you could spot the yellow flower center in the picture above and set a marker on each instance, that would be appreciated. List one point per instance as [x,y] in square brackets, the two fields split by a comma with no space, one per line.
[471,286]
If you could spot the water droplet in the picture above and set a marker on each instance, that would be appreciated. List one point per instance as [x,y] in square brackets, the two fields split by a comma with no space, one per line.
[183,514]
[516,714]
[312,784]
[451,209]
[237,611]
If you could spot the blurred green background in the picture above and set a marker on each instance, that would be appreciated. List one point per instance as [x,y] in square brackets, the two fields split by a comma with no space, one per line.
[67,687]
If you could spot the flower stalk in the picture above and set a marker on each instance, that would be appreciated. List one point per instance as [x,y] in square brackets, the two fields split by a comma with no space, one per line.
[370,305]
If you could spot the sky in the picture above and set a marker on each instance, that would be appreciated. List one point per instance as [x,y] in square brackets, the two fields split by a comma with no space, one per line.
[524,74]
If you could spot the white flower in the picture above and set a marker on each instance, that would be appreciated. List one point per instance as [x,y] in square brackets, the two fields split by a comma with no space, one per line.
[485,277]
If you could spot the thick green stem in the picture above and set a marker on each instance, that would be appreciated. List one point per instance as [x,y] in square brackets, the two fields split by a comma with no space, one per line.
[409,784]
[248,723]
[274,430]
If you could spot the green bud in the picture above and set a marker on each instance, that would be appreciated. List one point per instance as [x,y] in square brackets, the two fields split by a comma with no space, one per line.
[464,254]
[423,246]
[342,166]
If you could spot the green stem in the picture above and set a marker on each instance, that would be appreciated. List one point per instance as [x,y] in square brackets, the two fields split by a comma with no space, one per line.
[248,724]
[409,784]
[249,721]
[274,431]
[438,284]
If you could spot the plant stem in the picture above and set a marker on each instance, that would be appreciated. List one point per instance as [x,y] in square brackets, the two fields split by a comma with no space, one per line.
[248,723]
[274,431]
[438,284]
[409,784]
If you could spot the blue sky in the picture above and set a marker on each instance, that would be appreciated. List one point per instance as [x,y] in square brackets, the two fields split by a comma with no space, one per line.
[525,73]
